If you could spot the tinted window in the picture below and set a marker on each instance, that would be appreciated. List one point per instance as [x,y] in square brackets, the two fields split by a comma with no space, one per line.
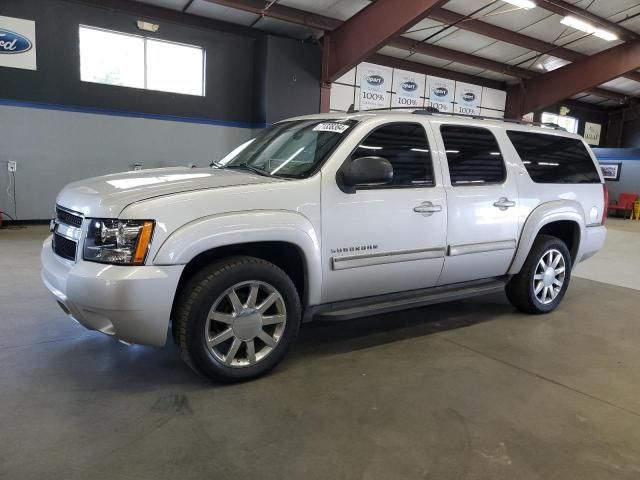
[405,146]
[473,155]
[554,159]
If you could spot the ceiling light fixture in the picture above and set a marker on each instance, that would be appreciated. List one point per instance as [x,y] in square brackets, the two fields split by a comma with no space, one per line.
[526,4]
[574,22]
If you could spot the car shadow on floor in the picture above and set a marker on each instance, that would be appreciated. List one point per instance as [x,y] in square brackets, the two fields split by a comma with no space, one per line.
[99,362]
[326,337]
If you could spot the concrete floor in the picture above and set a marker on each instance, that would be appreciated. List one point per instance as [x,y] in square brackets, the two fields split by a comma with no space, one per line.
[467,390]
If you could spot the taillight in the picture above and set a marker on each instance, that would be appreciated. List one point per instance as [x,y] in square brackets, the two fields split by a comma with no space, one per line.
[605,209]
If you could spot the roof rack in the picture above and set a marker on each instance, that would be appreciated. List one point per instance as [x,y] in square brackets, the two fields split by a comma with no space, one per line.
[433,110]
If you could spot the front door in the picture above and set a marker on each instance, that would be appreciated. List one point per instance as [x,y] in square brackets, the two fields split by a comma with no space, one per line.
[482,203]
[385,238]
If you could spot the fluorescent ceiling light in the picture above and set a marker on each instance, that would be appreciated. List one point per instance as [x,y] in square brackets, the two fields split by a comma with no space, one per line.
[605,35]
[526,4]
[574,22]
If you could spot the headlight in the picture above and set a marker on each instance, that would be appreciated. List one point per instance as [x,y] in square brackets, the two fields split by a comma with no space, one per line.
[122,242]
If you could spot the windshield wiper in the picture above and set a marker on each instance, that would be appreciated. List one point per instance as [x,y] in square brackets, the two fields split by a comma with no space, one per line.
[245,166]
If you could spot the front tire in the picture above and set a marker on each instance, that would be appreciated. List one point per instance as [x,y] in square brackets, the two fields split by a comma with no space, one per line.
[544,277]
[237,319]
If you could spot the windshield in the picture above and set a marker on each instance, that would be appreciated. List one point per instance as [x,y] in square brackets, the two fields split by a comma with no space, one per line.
[290,149]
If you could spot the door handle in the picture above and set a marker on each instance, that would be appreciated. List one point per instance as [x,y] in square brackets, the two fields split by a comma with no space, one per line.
[427,208]
[504,203]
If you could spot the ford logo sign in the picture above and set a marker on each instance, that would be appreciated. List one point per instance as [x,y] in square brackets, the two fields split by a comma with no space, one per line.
[11,42]
[468,97]
[441,92]
[409,86]
[375,80]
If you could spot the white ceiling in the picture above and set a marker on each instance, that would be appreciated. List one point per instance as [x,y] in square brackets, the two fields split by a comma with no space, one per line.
[537,23]
[340,9]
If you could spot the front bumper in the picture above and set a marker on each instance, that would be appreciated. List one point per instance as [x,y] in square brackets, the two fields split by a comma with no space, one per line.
[131,303]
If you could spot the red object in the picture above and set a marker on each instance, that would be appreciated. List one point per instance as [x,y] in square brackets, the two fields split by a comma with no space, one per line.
[625,202]
[605,192]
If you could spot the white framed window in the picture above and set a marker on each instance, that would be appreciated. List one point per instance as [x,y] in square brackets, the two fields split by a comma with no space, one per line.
[570,124]
[127,60]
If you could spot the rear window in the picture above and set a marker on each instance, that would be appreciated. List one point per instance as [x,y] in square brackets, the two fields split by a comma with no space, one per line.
[554,159]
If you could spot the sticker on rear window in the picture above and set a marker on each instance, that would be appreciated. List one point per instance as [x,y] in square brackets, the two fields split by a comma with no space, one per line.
[331,127]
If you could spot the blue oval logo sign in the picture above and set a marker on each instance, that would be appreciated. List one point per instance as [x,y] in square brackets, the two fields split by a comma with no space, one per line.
[468,97]
[375,80]
[441,92]
[12,42]
[409,86]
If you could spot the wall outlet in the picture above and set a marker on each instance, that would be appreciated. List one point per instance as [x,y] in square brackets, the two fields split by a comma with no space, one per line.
[12,166]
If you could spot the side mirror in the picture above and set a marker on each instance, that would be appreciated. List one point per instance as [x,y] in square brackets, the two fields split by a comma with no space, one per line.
[367,171]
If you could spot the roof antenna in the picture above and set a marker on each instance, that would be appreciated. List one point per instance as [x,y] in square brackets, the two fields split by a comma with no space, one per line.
[432,109]
[352,108]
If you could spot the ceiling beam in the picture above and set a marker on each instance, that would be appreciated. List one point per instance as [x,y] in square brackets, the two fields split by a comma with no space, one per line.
[563,8]
[498,33]
[369,30]
[327,24]
[394,62]
[282,12]
[532,94]
[484,63]
[459,57]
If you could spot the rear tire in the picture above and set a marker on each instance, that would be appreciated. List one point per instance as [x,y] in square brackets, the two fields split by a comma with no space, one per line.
[544,277]
[237,318]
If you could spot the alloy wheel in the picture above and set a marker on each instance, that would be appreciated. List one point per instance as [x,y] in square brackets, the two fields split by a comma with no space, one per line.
[245,323]
[549,276]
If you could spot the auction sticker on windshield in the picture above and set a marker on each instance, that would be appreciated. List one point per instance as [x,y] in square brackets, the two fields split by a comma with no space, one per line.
[331,127]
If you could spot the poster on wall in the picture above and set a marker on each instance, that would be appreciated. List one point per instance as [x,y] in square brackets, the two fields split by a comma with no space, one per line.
[468,98]
[374,83]
[592,133]
[17,43]
[440,93]
[611,171]
[408,88]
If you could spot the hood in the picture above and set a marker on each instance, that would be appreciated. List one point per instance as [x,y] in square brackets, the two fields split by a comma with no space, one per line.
[108,195]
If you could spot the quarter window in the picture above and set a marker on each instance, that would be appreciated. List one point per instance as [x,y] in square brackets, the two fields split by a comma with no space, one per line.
[553,158]
[405,146]
[473,155]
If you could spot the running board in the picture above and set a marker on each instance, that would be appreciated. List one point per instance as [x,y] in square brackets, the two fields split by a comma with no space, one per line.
[350,309]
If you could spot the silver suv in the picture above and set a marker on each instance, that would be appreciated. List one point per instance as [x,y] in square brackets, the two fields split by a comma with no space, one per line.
[324,216]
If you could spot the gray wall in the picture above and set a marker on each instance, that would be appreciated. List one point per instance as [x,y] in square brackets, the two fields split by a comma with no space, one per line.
[252,79]
[53,148]
[629,178]
[629,173]
[288,74]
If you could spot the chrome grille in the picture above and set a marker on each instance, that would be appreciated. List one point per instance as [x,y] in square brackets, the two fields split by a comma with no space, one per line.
[66,228]
[68,218]
[64,247]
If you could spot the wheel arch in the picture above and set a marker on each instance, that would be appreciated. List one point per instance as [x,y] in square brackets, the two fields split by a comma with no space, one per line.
[286,239]
[562,219]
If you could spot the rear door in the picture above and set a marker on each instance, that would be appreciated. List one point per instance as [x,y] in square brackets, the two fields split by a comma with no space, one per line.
[482,203]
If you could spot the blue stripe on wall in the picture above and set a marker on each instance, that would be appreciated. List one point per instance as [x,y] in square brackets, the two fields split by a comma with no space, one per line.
[617,153]
[118,113]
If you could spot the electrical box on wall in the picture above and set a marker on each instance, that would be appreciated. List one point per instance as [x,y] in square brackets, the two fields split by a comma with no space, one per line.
[12,166]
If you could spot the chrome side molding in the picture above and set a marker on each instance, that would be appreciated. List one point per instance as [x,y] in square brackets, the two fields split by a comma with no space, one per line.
[455,250]
[381,258]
